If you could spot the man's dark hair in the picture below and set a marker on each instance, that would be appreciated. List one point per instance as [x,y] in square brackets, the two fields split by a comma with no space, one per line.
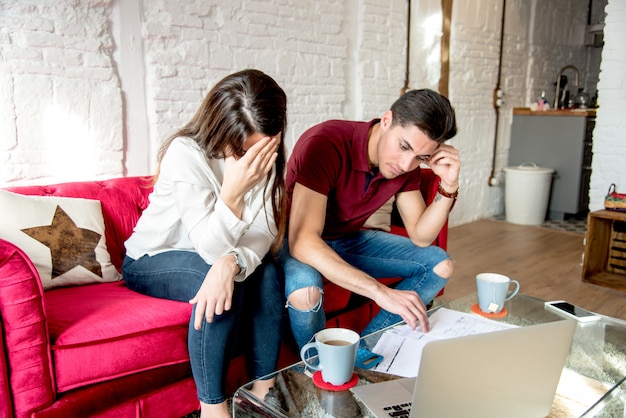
[431,112]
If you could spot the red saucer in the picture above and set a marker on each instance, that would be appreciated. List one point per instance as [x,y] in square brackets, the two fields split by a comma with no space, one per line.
[501,314]
[320,383]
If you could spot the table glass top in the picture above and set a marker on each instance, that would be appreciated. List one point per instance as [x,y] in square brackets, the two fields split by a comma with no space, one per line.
[592,383]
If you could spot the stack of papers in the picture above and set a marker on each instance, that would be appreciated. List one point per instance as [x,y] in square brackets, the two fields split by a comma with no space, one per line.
[402,347]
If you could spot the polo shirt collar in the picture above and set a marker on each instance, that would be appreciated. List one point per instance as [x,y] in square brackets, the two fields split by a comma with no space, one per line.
[359,150]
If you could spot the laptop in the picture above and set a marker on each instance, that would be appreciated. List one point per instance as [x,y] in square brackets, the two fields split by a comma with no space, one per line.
[510,373]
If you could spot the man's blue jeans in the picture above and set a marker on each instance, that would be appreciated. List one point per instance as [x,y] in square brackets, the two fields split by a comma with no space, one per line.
[377,253]
[178,275]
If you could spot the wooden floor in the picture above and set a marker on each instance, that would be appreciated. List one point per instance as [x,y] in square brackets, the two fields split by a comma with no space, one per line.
[547,263]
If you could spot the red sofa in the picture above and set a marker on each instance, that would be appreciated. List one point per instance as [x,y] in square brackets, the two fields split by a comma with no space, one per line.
[102,349]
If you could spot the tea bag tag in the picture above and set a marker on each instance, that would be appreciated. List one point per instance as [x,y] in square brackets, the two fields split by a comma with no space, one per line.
[493,307]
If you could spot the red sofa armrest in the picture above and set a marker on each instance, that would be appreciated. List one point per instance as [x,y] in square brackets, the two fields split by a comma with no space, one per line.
[6,406]
[26,363]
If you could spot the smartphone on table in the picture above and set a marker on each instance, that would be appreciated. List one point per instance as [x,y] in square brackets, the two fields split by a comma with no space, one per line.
[571,311]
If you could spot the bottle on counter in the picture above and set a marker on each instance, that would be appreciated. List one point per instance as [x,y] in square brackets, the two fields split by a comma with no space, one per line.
[582,99]
[541,103]
[594,100]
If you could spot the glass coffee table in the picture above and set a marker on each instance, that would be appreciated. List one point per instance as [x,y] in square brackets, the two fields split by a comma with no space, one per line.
[593,383]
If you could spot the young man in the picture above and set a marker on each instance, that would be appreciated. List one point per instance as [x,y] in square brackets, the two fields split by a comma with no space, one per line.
[339,174]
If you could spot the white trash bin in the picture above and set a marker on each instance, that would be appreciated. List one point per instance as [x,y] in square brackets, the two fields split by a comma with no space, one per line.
[527,193]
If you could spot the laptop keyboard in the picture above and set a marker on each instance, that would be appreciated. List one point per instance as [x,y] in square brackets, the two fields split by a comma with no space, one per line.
[399,410]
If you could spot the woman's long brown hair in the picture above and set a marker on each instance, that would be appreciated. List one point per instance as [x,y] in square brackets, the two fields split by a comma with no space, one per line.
[238,106]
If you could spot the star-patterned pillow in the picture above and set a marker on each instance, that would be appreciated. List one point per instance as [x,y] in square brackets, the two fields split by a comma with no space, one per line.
[64,237]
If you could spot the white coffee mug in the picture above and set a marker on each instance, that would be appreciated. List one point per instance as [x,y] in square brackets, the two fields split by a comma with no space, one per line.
[336,348]
[493,291]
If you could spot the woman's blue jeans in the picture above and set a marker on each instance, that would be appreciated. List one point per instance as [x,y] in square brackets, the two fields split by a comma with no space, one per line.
[178,275]
[377,253]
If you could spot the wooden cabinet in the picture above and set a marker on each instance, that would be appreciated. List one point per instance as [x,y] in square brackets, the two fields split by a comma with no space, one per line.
[561,140]
[604,260]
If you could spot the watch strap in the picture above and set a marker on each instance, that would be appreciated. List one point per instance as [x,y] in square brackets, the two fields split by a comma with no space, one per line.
[444,193]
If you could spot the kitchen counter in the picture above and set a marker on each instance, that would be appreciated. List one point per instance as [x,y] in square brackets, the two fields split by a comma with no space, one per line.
[559,112]
[562,142]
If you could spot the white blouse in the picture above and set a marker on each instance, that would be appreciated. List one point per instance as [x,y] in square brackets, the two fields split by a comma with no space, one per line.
[186,213]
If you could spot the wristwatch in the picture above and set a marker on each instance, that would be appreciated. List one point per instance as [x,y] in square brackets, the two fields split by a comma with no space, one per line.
[240,264]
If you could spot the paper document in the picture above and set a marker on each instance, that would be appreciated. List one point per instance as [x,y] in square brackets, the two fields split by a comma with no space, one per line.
[402,347]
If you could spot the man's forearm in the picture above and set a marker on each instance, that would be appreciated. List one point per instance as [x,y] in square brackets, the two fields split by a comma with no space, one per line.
[432,220]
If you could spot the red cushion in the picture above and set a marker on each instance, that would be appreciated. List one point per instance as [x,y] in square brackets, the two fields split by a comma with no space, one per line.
[398,230]
[335,297]
[167,391]
[105,331]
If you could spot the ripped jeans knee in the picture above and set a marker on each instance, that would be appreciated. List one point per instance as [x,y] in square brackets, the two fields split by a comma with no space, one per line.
[305,299]
[445,268]
[306,313]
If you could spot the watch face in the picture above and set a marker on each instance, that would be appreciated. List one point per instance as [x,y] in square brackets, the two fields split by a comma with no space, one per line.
[242,268]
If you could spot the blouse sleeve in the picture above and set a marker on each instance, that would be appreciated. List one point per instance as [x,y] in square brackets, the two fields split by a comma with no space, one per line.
[214,230]
[211,226]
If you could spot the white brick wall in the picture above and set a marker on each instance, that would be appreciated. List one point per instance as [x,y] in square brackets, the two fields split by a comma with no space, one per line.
[61,105]
[609,136]
[302,44]
[90,89]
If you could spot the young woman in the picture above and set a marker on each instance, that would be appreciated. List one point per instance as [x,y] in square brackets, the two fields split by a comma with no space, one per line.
[216,211]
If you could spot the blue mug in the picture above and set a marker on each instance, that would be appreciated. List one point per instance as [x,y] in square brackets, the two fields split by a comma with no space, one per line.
[493,290]
[336,349]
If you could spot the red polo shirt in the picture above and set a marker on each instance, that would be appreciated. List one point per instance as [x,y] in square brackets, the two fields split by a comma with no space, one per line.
[331,159]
